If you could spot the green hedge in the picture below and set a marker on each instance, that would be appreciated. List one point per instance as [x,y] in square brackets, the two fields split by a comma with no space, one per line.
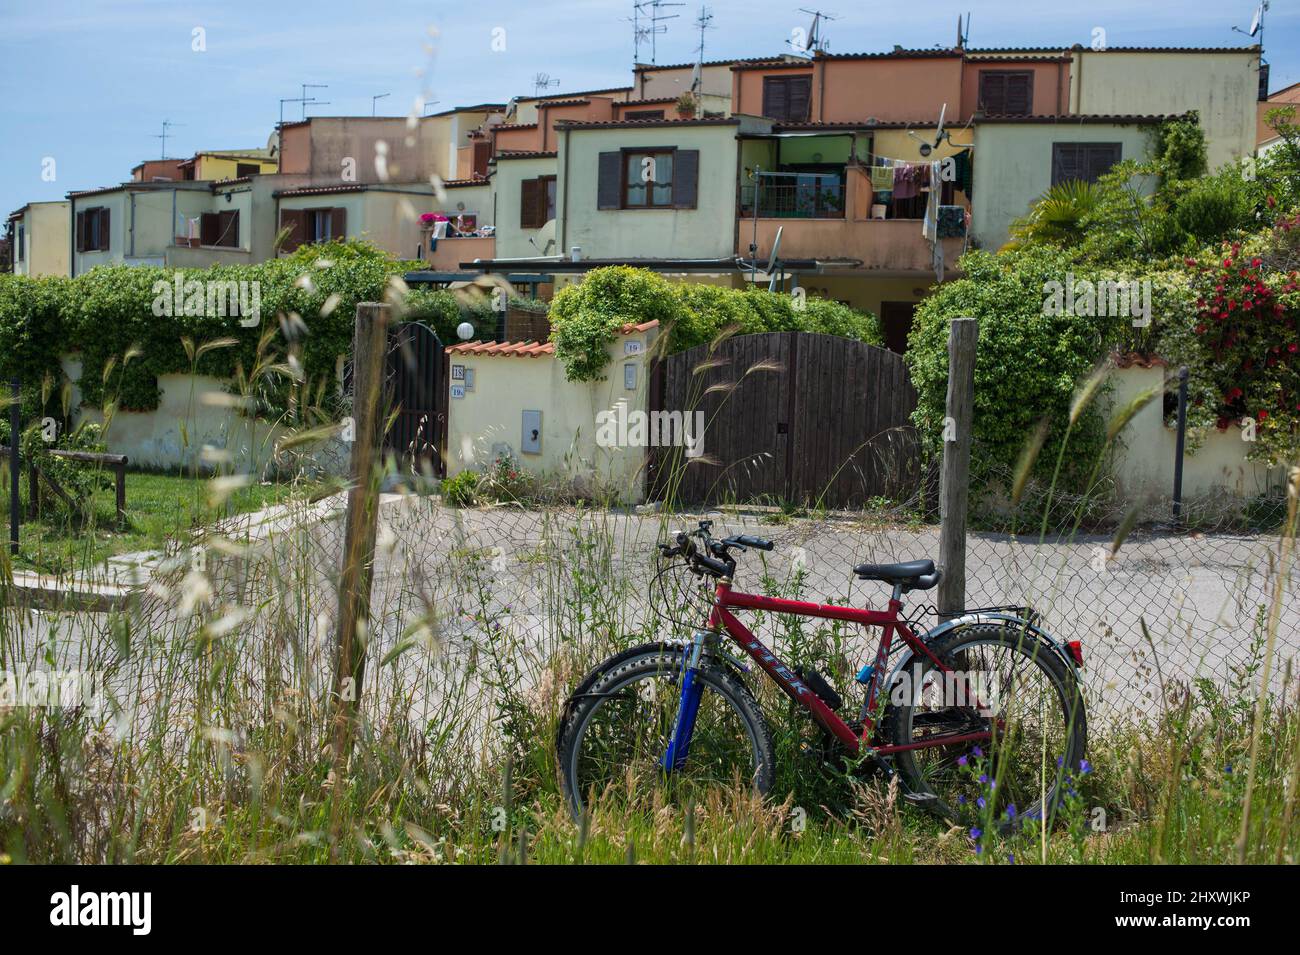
[110,313]
[586,317]
[1027,366]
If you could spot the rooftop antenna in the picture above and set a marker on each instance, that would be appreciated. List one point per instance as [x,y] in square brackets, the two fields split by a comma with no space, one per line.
[542,82]
[167,124]
[705,22]
[652,11]
[815,41]
[374,101]
[311,99]
[963,34]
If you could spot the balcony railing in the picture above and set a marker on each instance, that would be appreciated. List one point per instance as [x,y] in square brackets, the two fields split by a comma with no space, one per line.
[811,197]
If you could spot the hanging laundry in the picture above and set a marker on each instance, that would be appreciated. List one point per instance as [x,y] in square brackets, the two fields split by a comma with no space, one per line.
[952,222]
[882,178]
[909,179]
[965,172]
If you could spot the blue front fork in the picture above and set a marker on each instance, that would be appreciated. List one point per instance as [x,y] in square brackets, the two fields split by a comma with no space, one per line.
[692,687]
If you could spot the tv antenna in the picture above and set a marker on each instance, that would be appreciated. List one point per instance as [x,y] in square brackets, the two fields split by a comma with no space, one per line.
[167,124]
[963,33]
[651,11]
[705,22]
[542,82]
[304,100]
[815,41]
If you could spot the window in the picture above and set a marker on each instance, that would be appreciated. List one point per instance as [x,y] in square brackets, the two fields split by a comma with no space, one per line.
[220,229]
[312,225]
[1006,92]
[1085,161]
[536,202]
[482,155]
[664,177]
[644,114]
[18,252]
[787,97]
[647,179]
[247,169]
[92,230]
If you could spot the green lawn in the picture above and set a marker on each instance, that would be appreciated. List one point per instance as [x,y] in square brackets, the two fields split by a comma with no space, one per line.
[159,507]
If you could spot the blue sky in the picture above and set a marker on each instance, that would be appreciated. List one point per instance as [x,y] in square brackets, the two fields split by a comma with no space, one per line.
[89,83]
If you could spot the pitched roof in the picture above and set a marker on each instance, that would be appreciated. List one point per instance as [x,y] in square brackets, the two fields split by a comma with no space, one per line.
[531,349]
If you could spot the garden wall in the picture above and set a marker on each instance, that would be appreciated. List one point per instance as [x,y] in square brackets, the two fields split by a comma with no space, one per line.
[1144,463]
[194,412]
[501,383]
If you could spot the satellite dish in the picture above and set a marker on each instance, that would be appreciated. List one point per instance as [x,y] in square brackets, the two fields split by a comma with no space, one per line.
[465,331]
[776,249]
[1254,23]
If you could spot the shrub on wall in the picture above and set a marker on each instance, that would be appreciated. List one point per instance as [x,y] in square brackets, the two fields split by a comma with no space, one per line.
[1028,364]
[131,325]
[585,318]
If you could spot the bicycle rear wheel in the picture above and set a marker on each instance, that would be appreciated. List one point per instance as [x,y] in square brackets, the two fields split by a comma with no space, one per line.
[612,744]
[1026,697]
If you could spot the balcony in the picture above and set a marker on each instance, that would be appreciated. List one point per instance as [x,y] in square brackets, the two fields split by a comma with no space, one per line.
[451,252]
[807,197]
[824,219]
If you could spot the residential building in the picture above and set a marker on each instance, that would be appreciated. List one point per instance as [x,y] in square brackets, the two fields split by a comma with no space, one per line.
[217,164]
[1020,158]
[40,239]
[1265,137]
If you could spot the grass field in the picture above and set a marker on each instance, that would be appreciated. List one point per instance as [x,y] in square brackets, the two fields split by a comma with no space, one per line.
[159,508]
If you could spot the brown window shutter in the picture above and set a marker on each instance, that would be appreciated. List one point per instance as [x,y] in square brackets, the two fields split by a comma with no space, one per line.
[338,223]
[1101,156]
[993,92]
[209,228]
[81,232]
[104,240]
[482,153]
[799,99]
[229,230]
[609,181]
[776,98]
[295,220]
[686,178]
[1020,94]
[528,192]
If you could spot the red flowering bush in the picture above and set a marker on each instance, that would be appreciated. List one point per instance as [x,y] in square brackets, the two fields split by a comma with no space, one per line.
[1248,339]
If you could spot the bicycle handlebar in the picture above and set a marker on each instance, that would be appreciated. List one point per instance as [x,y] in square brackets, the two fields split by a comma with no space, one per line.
[721,564]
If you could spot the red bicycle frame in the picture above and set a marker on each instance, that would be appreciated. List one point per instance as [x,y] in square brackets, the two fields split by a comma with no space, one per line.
[726,599]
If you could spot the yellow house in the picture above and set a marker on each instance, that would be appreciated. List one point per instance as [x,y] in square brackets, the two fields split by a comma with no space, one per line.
[41,238]
[217,164]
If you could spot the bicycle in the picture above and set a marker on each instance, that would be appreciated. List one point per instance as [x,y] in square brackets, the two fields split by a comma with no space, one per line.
[953,717]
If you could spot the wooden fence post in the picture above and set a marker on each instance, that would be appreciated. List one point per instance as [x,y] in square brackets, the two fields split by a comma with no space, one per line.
[369,349]
[954,480]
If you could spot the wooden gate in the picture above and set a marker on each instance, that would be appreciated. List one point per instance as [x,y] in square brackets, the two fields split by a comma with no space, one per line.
[417,393]
[787,416]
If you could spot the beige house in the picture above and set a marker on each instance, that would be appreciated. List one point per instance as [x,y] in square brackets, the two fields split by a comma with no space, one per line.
[1221,84]
[1020,158]
[41,239]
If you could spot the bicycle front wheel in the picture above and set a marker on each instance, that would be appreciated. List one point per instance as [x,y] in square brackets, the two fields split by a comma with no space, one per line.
[612,748]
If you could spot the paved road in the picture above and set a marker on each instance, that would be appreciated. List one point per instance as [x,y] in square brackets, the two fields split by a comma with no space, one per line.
[494,598]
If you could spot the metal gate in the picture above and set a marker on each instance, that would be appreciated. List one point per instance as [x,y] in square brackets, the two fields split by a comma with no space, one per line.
[417,396]
[786,416]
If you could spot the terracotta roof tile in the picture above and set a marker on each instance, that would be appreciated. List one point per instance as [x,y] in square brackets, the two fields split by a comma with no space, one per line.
[522,349]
